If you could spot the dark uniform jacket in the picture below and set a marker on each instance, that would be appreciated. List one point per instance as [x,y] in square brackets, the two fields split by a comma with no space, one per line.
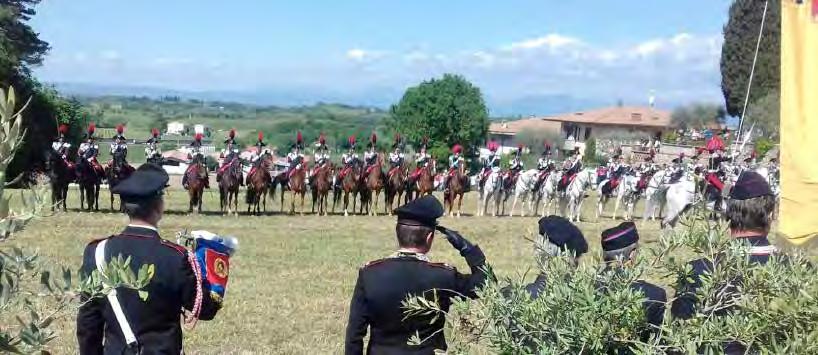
[156,321]
[686,303]
[381,287]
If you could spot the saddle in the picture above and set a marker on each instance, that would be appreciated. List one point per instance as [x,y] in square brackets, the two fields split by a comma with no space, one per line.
[565,181]
[344,172]
[610,186]
[643,182]
[393,171]
[416,173]
[369,168]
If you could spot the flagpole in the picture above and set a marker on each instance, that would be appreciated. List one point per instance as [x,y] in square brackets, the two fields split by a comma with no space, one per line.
[750,81]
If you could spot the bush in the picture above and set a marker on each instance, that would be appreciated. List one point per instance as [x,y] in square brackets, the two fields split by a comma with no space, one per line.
[776,312]
[763,145]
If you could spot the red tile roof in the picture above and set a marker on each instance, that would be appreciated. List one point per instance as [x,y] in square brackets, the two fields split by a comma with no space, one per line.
[617,116]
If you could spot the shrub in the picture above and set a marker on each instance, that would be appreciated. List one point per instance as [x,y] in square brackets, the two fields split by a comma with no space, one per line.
[776,311]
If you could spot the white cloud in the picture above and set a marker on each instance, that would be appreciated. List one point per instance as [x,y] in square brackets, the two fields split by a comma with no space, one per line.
[110,55]
[364,56]
[649,47]
[550,41]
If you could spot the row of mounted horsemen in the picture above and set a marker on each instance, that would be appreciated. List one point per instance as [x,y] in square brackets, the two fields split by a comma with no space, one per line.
[563,187]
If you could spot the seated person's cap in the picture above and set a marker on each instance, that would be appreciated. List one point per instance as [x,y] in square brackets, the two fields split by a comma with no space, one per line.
[423,211]
[750,185]
[147,181]
[564,234]
[621,236]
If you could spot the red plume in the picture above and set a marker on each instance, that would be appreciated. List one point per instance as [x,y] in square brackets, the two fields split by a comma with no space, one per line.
[425,140]
[321,138]
[519,147]
[373,138]
[753,154]
[120,128]
[92,128]
[351,140]
[198,136]
[397,137]
[63,129]
[260,136]
[457,148]
[155,132]
[547,145]
[298,137]
[232,133]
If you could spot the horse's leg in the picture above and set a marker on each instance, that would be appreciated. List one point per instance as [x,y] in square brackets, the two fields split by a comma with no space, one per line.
[346,203]
[303,193]
[459,203]
[616,205]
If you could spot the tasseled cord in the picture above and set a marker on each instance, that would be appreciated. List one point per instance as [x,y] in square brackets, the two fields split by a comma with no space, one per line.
[193,316]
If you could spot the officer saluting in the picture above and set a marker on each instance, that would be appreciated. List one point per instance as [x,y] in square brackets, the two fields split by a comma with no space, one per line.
[383,284]
[122,323]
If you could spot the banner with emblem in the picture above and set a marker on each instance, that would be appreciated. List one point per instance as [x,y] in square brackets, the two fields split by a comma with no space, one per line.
[799,120]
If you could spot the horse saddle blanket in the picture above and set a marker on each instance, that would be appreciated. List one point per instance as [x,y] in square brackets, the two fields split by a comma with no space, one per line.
[714,180]
[609,186]
[393,171]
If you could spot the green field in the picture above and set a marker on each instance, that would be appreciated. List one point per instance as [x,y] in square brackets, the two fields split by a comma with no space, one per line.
[292,277]
[279,124]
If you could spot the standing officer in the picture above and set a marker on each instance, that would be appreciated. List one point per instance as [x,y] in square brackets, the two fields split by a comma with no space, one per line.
[122,323]
[619,247]
[384,284]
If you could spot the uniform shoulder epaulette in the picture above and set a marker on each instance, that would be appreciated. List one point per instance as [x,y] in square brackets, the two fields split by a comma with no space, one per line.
[442,265]
[373,263]
[97,240]
[182,250]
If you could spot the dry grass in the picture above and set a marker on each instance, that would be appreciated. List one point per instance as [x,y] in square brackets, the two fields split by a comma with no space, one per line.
[292,277]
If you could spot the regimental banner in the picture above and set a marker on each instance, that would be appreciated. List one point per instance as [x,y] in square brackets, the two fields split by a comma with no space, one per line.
[799,120]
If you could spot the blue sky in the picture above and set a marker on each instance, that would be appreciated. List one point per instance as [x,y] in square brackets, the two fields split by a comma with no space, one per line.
[597,50]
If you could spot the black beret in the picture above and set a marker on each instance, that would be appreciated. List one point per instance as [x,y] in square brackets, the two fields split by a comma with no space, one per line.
[564,234]
[147,181]
[621,236]
[750,185]
[423,211]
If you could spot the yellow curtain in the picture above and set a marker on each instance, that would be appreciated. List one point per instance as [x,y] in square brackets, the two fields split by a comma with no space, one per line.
[799,121]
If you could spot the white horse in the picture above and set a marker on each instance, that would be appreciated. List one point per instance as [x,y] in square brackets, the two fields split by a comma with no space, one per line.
[524,188]
[548,192]
[491,191]
[655,194]
[575,194]
[679,196]
[626,189]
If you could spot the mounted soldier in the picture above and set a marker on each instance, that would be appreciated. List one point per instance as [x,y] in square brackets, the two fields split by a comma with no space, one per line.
[119,146]
[152,151]
[515,166]
[195,157]
[230,153]
[396,157]
[89,150]
[295,157]
[60,146]
[422,159]
[571,166]
[455,162]
[321,155]
[349,159]
[258,155]
[491,164]
[371,154]
[677,170]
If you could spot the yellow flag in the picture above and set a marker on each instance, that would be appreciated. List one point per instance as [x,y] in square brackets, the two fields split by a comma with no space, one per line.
[799,120]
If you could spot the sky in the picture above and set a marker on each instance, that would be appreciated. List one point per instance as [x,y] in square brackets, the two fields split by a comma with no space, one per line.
[514,50]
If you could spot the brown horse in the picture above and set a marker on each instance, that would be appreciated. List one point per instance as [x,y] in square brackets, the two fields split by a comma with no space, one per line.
[395,185]
[258,183]
[196,178]
[115,172]
[229,185]
[350,184]
[89,179]
[321,186]
[373,183]
[456,189]
[298,185]
[60,175]
[426,180]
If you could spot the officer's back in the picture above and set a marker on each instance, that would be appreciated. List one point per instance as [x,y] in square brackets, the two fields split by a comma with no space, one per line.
[154,322]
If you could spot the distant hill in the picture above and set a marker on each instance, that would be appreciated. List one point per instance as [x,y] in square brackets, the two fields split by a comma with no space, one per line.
[381,98]
[279,124]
